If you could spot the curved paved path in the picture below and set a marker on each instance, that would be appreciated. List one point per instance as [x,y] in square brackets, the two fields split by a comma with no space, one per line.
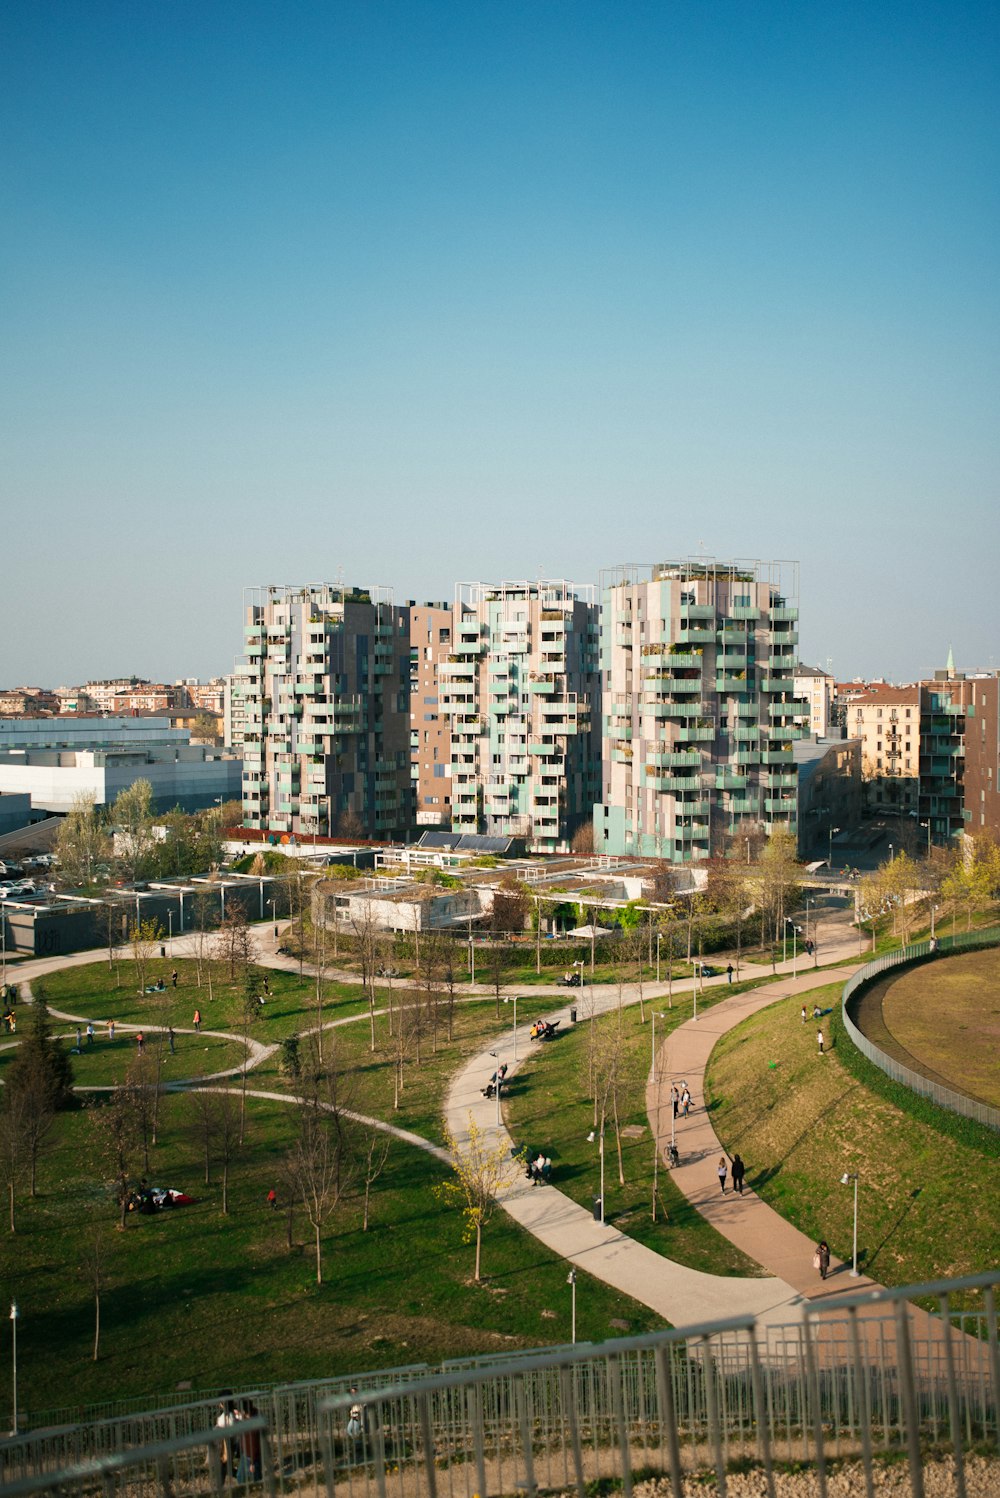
[747,1221]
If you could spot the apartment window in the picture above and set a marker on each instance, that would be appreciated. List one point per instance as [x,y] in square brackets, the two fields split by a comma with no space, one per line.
[878,713]
[907,712]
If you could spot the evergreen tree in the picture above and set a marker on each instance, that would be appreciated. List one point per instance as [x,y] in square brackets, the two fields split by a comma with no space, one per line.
[41,1065]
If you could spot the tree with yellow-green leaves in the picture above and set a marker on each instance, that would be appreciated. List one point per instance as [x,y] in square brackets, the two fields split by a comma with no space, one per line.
[485,1173]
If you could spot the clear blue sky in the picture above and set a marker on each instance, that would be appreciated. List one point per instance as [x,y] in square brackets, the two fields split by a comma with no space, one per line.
[429,292]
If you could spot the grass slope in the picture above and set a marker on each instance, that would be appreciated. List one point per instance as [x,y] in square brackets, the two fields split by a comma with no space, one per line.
[927,1205]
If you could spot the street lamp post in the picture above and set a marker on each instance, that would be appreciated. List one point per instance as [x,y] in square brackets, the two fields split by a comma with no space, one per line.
[514,1002]
[653,1016]
[571,1281]
[845,1180]
[599,1136]
[472,955]
[659,937]
[795,955]
[3,942]
[170,925]
[13,1332]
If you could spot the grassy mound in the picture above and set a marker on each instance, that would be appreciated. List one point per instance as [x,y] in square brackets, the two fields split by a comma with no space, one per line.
[927,1204]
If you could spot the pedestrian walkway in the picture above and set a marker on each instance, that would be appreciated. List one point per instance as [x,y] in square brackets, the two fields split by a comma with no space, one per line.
[745,1219]
[678,1294]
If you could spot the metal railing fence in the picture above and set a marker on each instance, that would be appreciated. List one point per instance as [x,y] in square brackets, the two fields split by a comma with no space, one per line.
[854,1378]
[857,1377]
[945,1097]
[236,1455]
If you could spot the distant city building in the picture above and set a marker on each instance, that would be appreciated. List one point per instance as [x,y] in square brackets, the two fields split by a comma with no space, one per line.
[73,700]
[53,760]
[325,701]
[520,689]
[816,687]
[27,702]
[431,628]
[829,792]
[886,719]
[981,792]
[700,713]
[946,707]
[103,693]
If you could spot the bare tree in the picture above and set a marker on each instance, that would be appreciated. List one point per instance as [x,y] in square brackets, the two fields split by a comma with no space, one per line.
[93,1270]
[374,1154]
[497,960]
[116,1129]
[318,1162]
[366,937]
[143,937]
[236,946]
[214,1121]
[204,904]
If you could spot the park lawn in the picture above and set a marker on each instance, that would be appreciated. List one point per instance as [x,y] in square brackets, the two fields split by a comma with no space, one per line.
[106,1062]
[191,1295]
[95,991]
[927,1200]
[427,1074]
[548,1109]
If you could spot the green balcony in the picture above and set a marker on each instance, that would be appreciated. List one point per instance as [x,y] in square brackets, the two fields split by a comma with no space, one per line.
[725,780]
[777,757]
[691,733]
[726,636]
[672,709]
[697,637]
[741,806]
[666,757]
[745,611]
[777,684]
[747,756]
[784,615]
[726,684]
[696,611]
[746,733]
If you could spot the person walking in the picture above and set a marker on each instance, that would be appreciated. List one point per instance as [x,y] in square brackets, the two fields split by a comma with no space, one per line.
[173,977]
[729,972]
[90,1032]
[821,1258]
[722,1172]
[170,1037]
[675,1099]
[197,1020]
[686,1101]
[819,1041]
[79,1040]
[111,1029]
[739,1171]
[140,1041]
[803,1011]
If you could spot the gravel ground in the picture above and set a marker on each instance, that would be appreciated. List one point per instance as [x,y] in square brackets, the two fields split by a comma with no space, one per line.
[847,1480]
